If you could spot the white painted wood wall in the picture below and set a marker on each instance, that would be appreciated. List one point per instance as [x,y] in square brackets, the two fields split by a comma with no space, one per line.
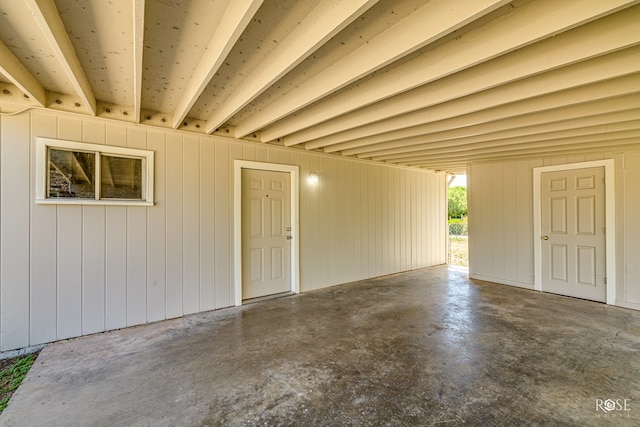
[501,221]
[67,271]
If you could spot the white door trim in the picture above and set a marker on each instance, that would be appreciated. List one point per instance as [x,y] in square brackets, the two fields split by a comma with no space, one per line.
[293,171]
[610,213]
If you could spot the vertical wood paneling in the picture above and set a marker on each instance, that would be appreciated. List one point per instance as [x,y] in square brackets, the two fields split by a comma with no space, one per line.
[207,298]
[93,248]
[632,229]
[224,183]
[377,183]
[341,174]
[235,153]
[191,221]
[156,232]
[43,308]
[117,266]
[371,218]
[174,225]
[384,212]
[93,269]
[136,246]
[306,223]
[510,233]
[329,250]
[70,226]
[116,247]
[498,234]
[69,271]
[524,221]
[14,229]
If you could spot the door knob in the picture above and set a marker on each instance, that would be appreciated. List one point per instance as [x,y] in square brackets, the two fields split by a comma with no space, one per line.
[289,237]
[545,237]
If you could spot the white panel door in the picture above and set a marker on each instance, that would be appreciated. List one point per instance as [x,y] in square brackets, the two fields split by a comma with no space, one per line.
[573,233]
[266,225]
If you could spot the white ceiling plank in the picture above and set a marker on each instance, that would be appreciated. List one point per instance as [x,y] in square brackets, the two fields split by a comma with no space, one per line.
[236,18]
[603,68]
[429,23]
[325,21]
[138,48]
[18,74]
[483,44]
[473,124]
[627,122]
[548,121]
[46,16]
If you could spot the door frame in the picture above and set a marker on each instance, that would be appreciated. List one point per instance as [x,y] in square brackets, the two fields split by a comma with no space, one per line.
[294,173]
[610,221]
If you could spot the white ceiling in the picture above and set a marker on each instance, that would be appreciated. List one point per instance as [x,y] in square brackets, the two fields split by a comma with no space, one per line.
[434,84]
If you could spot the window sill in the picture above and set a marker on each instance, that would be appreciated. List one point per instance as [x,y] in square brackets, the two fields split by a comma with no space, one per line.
[86,202]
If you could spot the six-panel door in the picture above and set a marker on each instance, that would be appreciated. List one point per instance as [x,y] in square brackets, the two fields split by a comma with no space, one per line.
[266,227]
[573,228]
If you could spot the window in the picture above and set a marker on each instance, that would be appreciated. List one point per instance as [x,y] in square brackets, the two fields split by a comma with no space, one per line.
[77,173]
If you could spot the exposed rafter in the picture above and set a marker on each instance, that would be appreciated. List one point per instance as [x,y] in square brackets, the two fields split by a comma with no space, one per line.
[426,83]
[549,146]
[479,46]
[325,21]
[233,23]
[599,69]
[570,98]
[599,38]
[11,67]
[46,16]
[531,135]
[603,112]
[431,22]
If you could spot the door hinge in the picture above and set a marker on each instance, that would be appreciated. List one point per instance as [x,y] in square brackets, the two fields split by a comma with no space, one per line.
[605,280]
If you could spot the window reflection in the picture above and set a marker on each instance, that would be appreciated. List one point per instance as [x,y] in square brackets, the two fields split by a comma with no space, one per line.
[120,177]
[71,174]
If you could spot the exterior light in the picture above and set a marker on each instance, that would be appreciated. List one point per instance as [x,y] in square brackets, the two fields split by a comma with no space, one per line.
[313,178]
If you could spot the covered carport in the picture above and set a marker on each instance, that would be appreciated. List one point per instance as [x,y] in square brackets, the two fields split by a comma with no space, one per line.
[130,130]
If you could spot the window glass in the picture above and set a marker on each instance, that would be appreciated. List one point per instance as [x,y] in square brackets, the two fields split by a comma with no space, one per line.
[71,174]
[120,177]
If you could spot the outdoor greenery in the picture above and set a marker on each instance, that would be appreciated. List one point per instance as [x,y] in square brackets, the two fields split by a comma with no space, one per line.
[457,202]
[11,376]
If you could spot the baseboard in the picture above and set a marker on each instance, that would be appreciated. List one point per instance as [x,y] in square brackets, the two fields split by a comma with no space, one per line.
[501,281]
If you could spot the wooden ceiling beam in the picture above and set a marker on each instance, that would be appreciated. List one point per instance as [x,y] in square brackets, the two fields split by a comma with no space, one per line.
[48,19]
[579,98]
[533,141]
[235,20]
[431,22]
[18,74]
[483,44]
[569,144]
[595,70]
[326,20]
[473,134]
[459,165]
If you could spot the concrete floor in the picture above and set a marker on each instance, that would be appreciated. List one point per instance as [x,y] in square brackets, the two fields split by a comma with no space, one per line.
[427,347]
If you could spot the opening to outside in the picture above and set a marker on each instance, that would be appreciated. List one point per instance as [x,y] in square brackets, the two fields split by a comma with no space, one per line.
[458,224]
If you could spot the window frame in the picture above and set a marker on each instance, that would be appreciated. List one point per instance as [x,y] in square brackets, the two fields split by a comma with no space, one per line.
[42,172]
